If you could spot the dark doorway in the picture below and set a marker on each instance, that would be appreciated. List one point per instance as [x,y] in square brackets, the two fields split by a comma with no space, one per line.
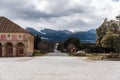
[20,49]
[9,49]
[0,50]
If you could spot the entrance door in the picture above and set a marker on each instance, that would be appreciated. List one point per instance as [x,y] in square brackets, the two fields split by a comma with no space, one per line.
[20,49]
[9,50]
[0,50]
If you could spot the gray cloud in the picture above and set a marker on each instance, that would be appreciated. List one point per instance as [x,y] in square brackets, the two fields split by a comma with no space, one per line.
[59,14]
[116,0]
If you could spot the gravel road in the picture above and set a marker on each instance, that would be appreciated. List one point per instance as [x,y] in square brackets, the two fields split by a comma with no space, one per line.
[58,68]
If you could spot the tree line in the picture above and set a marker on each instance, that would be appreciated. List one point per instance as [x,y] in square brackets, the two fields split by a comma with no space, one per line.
[108,39]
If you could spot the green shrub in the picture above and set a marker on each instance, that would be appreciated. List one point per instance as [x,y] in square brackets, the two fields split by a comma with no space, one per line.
[39,53]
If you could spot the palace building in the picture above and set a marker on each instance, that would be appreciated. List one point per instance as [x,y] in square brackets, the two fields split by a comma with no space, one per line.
[14,40]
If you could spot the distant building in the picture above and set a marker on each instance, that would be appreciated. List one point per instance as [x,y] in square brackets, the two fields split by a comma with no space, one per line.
[71,48]
[14,40]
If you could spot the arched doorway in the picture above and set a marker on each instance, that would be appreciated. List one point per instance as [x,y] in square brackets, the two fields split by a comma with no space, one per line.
[9,49]
[20,49]
[0,50]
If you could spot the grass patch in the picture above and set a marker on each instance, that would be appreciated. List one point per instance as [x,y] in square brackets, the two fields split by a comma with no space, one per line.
[39,53]
[95,56]
[91,56]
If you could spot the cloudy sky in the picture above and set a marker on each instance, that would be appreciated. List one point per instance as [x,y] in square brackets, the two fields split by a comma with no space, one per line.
[74,15]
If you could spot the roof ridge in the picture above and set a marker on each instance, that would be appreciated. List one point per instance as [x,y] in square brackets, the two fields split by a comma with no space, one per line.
[10,26]
[16,24]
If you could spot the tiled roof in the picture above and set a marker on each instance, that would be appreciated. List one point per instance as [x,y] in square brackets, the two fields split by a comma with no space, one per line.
[7,26]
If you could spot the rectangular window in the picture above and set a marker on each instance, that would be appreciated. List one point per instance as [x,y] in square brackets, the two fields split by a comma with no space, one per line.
[14,37]
[24,37]
[3,37]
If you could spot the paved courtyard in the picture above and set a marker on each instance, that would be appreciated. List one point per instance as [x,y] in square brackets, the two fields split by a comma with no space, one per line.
[58,68]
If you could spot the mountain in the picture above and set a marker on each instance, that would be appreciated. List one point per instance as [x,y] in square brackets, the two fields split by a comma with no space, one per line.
[33,31]
[61,35]
[50,31]
[92,31]
[49,34]
[86,36]
[55,35]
